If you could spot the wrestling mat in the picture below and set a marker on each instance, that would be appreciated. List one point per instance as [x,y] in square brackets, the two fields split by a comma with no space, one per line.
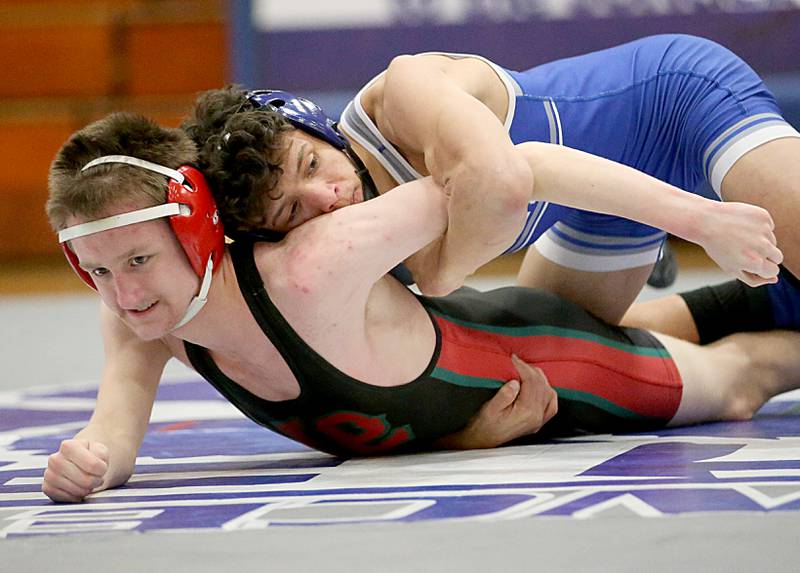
[203,466]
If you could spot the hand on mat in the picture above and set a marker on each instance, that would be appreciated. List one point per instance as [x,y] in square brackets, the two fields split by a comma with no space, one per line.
[521,407]
[741,240]
[75,470]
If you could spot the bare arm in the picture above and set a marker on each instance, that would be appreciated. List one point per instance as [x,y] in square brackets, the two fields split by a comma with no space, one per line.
[738,236]
[338,255]
[434,106]
[103,454]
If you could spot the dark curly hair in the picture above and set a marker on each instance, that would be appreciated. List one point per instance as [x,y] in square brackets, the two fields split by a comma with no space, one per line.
[91,193]
[241,150]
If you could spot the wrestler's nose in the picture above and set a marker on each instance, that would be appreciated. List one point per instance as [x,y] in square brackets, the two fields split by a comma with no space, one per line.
[323,197]
[128,292]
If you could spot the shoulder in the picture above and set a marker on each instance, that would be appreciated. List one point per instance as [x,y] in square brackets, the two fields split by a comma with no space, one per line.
[287,268]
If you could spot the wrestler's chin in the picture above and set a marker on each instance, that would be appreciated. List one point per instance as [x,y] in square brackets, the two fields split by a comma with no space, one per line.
[147,326]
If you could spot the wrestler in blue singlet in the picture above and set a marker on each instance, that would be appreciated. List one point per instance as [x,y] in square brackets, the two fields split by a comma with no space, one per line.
[680,108]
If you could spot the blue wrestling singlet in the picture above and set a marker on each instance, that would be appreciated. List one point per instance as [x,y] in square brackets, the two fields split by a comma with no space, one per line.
[680,108]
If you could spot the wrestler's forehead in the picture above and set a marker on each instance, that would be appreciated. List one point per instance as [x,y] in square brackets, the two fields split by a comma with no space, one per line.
[121,243]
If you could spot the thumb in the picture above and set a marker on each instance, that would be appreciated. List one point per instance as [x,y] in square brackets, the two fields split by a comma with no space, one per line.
[506,395]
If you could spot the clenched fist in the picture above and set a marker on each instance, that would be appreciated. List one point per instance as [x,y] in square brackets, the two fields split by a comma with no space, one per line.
[75,470]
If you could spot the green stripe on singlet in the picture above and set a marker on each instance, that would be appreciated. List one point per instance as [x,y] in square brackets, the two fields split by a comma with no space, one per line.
[599,403]
[467,381]
[556,331]
[563,393]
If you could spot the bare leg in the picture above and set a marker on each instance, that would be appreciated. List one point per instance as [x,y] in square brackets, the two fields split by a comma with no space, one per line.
[668,315]
[606,295]
[732,378]
[769,176]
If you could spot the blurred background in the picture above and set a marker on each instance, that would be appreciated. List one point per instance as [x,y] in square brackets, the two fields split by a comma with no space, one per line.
[66,63]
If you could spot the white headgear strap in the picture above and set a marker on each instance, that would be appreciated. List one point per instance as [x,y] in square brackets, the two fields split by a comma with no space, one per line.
[123,219]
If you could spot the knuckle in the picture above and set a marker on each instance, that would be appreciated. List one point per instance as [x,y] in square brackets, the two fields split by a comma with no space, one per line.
[69,447]
[51,492]
[86,484]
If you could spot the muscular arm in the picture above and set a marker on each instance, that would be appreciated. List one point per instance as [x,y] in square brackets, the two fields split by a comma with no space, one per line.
[433,105]
[342,254]
[127,391]
[739,237]
[438,107]
[576,179]
[106,448]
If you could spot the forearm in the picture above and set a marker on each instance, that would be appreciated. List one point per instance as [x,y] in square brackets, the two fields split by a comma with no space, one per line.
[378,234]
[576,179]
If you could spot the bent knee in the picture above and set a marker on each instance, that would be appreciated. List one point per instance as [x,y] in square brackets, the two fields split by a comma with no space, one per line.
[746,396]
[740,409]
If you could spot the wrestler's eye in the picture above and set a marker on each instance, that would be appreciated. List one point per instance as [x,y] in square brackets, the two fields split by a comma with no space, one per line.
[139,261]
[313,163]
[99,271]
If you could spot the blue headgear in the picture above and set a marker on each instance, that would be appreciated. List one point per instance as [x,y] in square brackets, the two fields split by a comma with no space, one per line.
[301,113]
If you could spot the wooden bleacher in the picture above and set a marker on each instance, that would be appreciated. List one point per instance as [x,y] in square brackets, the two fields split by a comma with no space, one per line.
[68,62]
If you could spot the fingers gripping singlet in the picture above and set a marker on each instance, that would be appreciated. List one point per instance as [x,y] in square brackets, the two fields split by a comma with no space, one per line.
[607,378]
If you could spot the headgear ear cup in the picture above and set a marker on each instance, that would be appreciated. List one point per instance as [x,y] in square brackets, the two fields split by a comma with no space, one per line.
[200,233]
[73,262]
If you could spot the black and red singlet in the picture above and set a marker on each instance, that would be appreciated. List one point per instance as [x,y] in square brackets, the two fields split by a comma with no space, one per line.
[608,378]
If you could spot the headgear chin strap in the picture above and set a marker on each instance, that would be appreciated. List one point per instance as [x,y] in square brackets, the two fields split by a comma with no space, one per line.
[192,214]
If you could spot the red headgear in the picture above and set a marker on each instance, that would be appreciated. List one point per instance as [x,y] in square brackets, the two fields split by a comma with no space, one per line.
[192,215]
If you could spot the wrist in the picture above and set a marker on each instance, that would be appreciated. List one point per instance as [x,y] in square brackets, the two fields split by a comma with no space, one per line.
[693,222]
[699,220]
